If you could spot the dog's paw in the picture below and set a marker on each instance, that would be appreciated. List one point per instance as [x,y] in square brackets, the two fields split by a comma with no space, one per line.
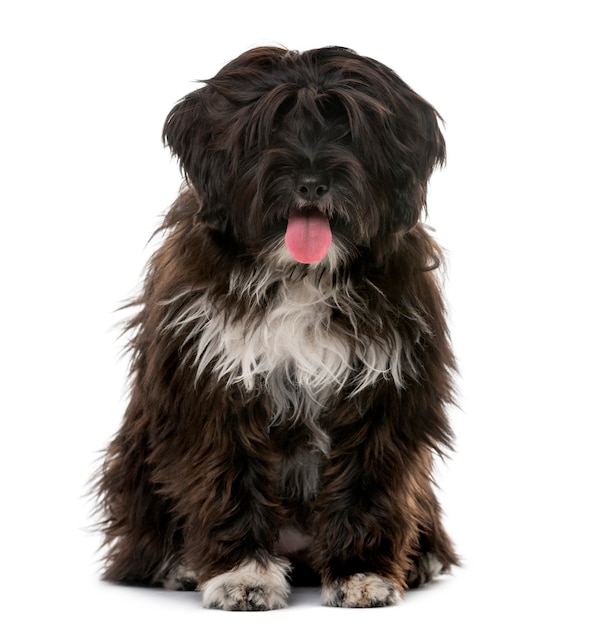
[180,578]
[425,569]
[360,591]
[249,587]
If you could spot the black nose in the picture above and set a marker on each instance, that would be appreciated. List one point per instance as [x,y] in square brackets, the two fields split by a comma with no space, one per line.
[311,187]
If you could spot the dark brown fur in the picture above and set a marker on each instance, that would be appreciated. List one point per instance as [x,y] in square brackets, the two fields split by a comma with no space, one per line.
[193,476]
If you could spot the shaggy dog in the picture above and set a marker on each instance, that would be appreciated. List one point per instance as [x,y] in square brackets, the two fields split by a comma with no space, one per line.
[290,358]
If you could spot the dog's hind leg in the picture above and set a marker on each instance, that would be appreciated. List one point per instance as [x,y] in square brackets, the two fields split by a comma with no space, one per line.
[142,542]
[436,554]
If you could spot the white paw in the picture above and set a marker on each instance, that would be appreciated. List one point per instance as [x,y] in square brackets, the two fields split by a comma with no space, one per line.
[360,591]
[249,587]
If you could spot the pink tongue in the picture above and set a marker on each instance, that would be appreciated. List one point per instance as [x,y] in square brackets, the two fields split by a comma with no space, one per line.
[308,235]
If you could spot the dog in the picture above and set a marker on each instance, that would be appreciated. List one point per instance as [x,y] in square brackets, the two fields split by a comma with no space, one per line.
[291,367]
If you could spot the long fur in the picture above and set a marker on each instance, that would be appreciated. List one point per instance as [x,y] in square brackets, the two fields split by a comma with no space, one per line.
[280,410]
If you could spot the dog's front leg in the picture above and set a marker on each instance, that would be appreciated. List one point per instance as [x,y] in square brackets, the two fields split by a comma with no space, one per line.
[233,522]
[367,520]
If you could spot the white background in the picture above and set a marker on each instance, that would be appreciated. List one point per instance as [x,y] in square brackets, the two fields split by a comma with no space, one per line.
[85,88]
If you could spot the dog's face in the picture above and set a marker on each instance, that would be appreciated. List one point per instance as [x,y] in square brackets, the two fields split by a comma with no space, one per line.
[303,148]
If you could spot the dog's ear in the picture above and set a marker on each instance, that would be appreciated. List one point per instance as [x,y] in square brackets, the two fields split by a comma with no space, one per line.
[185,132]
[418,148]
[432,151]
[188,133]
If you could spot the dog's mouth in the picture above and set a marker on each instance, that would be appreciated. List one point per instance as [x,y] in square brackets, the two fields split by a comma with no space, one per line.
[308,235]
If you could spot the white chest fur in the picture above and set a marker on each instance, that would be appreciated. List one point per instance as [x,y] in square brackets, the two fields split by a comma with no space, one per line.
[292,348]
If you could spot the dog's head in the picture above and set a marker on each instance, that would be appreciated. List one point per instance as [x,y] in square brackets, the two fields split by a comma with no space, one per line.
[305,146]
